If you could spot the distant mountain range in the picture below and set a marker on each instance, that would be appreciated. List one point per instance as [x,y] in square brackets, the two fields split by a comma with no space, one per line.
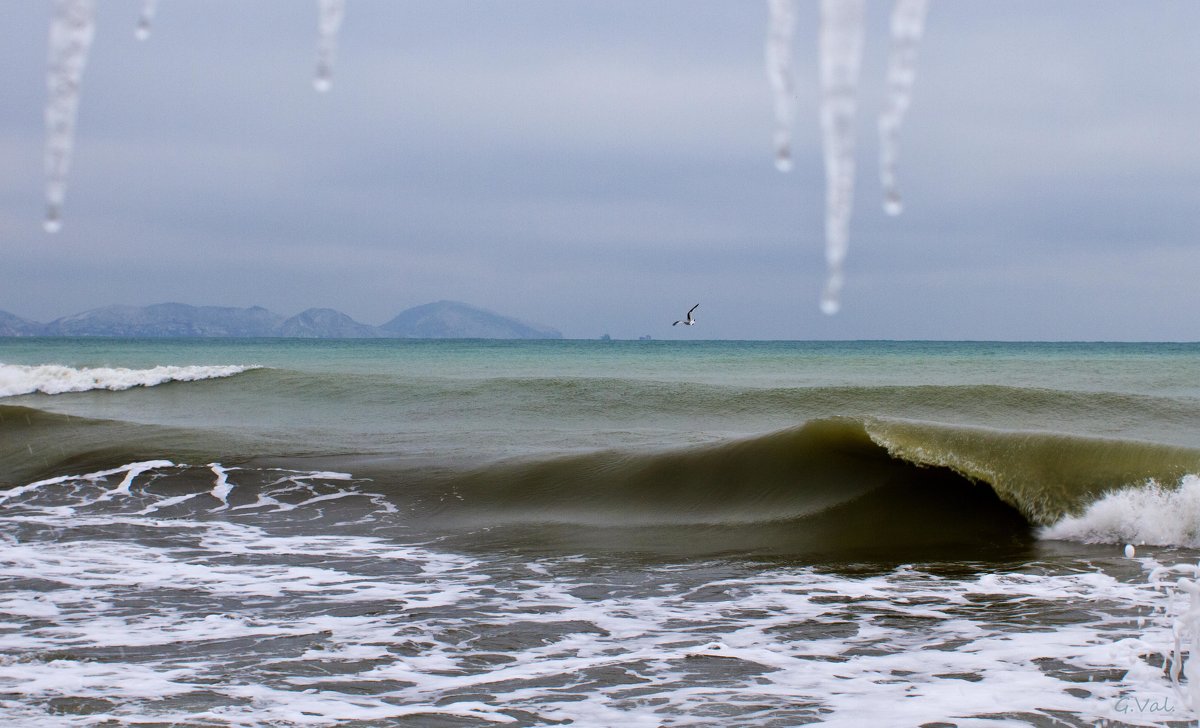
[441,320]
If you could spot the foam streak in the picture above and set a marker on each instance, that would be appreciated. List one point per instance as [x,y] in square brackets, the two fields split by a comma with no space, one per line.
[222,487]
[131,471]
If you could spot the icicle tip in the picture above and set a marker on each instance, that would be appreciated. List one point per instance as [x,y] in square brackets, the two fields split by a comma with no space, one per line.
[52,223]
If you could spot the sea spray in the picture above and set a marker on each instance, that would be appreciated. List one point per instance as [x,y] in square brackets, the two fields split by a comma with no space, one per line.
[1148,513]
[1180,587]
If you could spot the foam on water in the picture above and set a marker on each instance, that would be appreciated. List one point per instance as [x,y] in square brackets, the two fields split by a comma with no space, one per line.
[130,471]
[222,487]
[227,620]
[16,379]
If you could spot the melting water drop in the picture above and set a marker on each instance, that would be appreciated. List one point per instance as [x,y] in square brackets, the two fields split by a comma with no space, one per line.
[142,32]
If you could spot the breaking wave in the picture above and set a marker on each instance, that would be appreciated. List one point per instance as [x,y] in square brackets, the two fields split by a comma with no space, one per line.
[1149,513]
[829,486]
[17,379]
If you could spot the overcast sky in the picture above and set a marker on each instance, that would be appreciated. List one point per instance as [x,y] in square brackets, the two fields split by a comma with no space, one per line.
[601,165]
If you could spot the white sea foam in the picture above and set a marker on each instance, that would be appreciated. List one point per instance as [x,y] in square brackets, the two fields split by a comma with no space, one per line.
[1142,514]
[131,471]
[355,626]
[900,648]
[222,486]
[16,379]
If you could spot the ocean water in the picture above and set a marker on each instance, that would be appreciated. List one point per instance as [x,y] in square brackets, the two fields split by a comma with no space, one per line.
[470,533]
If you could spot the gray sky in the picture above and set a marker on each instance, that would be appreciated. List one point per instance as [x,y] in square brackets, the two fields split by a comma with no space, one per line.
[601,165]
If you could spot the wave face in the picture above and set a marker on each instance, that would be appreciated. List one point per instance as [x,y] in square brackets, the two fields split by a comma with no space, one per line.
[822,489]
[837,487]
[833,485]
[17,379]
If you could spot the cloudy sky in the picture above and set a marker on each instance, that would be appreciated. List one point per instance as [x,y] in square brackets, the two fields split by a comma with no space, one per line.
[601,165]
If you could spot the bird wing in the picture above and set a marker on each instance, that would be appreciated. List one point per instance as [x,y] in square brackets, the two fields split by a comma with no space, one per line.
[693,308]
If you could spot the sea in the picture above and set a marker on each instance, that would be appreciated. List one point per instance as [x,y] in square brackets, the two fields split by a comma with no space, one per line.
[277,532]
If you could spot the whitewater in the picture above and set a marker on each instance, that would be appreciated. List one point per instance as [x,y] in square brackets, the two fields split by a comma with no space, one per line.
[287,532]
[56,379]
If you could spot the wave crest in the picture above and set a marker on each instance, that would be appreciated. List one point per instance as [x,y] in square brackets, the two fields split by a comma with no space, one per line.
[1047,476]
[17,379]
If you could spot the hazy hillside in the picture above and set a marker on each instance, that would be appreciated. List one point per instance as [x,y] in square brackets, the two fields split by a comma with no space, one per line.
[326,323]
[454,320]
[441,320]
[168,319]
[11,325]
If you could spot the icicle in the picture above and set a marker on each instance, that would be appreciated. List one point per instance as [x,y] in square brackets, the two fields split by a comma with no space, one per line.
[143,27]
[780,29]
[908,24]
[331,14]
[840,46]
[71,29]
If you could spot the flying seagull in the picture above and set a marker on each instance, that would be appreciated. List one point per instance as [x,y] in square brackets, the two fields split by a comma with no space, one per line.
[689,321]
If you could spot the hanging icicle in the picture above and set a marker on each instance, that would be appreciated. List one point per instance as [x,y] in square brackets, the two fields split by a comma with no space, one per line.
[146,20]
[331,13]
[781,29]
[72,27]
[840,46]
[908,25]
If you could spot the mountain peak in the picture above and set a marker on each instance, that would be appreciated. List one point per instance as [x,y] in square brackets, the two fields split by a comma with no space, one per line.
[326,323]
[458,320]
